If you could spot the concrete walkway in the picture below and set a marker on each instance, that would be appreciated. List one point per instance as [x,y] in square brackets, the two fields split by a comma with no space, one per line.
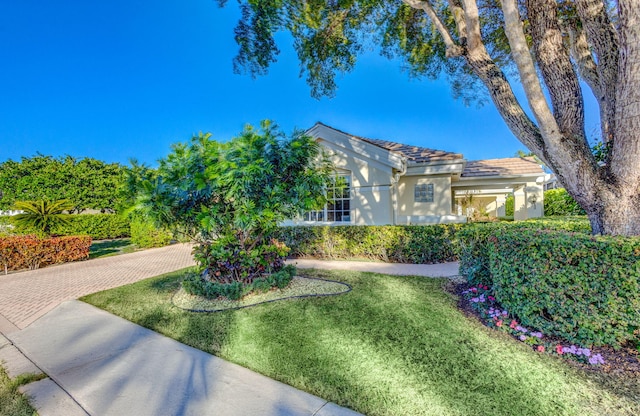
[100,364]
[403,269]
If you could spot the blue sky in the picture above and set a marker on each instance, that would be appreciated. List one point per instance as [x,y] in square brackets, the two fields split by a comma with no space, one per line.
[122,79]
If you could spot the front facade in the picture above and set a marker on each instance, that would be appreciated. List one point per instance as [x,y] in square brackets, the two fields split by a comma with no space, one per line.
[390,183]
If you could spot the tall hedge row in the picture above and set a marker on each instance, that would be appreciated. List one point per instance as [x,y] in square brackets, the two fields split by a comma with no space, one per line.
[473,242]
[397,244]
[97,226]
[583,288]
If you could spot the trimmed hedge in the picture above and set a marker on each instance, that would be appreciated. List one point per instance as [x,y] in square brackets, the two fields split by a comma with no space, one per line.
[583,288]
[98,226]
[31,252]
[145,234]
[424,244]
[559,202]
[473,242]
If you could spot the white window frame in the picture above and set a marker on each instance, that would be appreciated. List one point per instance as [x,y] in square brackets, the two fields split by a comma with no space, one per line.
[322,216]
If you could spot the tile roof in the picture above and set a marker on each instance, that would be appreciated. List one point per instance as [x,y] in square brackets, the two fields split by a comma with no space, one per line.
[502,167]
[414,154]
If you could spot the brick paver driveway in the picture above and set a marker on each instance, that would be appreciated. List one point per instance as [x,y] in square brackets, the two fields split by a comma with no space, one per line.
[26,296]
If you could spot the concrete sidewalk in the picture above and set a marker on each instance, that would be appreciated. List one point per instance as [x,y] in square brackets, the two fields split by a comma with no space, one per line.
[403,269]
[109,366]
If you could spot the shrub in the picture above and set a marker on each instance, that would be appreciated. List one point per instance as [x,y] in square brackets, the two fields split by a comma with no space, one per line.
[197,285]
[423,244]
[585,289]
[559,202]
[145,234]
[98,226]
[41,215]
[473,241]
[32,252]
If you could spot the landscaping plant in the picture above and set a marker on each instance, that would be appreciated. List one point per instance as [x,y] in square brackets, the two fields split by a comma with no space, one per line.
[232,196]
[42,215]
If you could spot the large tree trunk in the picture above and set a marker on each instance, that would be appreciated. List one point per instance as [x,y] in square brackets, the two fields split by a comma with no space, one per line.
[607,56]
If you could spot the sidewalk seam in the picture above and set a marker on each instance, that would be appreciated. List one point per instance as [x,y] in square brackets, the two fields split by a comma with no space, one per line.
[48,376]
[320,408]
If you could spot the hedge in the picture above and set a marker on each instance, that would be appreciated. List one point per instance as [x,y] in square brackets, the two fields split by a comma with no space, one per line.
[145,234]
[559,202]
[424,244]
[98,226]
[585,289]
[31,252]
[473,241]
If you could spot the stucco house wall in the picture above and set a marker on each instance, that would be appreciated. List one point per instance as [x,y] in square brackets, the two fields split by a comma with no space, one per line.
[384,175]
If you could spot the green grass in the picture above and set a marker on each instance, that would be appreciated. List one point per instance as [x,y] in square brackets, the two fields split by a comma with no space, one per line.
[392,346]
[12,402]
[106,248]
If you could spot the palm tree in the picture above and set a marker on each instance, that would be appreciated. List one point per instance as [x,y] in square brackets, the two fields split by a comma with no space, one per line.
[42,215]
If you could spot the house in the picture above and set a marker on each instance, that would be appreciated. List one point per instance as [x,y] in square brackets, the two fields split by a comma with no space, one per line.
[391,183]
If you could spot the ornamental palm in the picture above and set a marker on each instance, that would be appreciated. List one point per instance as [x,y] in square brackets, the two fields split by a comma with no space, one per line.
[41,215]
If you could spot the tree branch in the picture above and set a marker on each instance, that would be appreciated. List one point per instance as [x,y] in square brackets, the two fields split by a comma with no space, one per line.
[453,49]
[603,38]
[581,53]
[496,82]
[557,70]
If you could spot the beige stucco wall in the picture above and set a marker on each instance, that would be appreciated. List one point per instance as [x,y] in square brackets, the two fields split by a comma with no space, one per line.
[371,190]
[363,172]
[438,211]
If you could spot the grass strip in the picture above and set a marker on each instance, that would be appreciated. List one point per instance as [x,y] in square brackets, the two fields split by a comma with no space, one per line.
[394,345]
[12,402]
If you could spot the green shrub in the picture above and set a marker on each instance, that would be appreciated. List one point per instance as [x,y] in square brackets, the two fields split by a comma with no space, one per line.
[559,202]
[585,289]
[198,285]
[5,224]
[145,234]
[509,206]
[98,226]
[473,242]
[424,244]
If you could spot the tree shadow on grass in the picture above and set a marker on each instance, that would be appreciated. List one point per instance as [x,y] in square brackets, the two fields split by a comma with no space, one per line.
[107,248]
[390,347]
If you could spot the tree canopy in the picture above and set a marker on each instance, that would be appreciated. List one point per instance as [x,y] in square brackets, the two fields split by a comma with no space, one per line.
[86,183]
[547,46]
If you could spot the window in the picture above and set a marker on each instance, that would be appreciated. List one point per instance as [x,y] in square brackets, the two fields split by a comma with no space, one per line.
[338,208]
[424,192]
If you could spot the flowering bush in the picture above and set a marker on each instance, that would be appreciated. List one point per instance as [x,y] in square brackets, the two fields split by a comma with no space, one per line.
[482,300]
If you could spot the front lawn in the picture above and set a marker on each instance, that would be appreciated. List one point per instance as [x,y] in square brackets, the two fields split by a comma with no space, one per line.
[392,346]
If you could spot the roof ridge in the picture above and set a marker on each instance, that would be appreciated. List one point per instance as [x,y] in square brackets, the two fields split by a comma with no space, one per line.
[412,152]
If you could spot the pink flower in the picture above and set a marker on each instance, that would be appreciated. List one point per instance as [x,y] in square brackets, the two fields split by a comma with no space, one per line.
[513,324]
[540,348]
[491,298]
[473,289]
[499,323]
[559,349]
